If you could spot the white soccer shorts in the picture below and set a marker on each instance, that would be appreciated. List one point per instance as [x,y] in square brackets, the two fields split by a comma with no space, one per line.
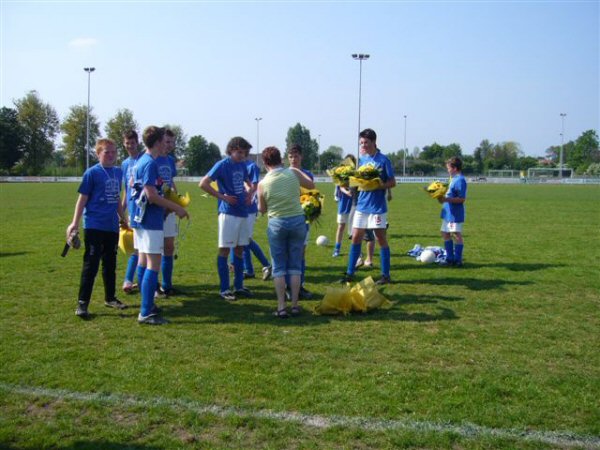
[369,221]
[148,241]
[170,226]
[451,227]
[233,231]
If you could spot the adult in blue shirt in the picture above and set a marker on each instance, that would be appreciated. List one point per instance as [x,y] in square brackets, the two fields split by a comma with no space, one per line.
[371,208]
[100,205]
[453,213]
[231,176]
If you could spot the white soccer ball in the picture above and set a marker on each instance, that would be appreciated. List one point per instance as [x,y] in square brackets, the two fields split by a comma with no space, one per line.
[427,257]
[322,240]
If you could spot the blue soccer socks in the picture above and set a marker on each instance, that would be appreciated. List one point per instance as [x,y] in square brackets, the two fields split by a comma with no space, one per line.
[260,255]
[449,247]
[458,252]
[352,258]
[166,267]
[140,274]
[384,255]
[148,288]
[238,273]
[131,268]
[223,270]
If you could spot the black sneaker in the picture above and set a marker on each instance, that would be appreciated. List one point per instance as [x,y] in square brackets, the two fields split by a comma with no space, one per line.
[160,293]
[347,278]
[458,264]
[228,295]
[155,310]
[384,280]
[152,319]
[115,303]
[243,292]
[249,275]
[82,311]
[304,294]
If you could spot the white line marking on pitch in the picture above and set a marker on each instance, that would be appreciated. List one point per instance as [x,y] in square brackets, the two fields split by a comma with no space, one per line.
[560,438]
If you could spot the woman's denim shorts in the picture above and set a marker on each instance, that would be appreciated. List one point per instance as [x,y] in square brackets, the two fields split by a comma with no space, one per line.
[286,241]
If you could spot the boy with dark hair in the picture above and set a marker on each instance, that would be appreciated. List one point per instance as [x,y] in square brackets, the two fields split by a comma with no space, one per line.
[231,176]
[148,222]
[453,213]
[99,203]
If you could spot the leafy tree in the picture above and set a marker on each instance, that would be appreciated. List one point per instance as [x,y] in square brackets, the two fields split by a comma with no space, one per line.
[420,167]
[481,154]
[504,156]
[585,151]
[116,128]
[300,135]
[432,153]
[180,140]
[593,169]
[526,162]
[337,150]
[200,156]
[12,138]
[40,124]
[74,129]
[330,158]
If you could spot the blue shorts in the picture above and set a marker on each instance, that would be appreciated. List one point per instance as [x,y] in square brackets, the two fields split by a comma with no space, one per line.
[286,241]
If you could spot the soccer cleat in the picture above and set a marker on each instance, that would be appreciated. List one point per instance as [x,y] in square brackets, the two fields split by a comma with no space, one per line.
[336,253]
[160,293]
[359,262]
[82,311]
[129,287]
[347,278]
[267,272]
[227,295]
[152,319]
[249,275]
[155,310]
[115,303]
[243,292]
[304,294]
[384,280]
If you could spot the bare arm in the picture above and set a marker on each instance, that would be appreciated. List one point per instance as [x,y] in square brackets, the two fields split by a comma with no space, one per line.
[455,200]
[79,207]
[205,186]
[262,203]
[304,179]
[154,198]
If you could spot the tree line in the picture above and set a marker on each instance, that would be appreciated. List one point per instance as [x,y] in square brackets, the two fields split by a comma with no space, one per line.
[29,130]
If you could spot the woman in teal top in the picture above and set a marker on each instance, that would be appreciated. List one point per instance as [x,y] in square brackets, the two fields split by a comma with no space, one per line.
[279,197]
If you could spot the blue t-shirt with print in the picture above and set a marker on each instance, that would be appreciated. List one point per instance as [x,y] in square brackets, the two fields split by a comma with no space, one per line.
[455,212]
[254,177]
[374,202]
[166,169]
[344,201]
[102,186]
[127,167]
[230,177]
[146,174]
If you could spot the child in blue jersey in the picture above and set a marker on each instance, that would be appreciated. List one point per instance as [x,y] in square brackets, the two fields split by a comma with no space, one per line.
[99,203]
[131,144]
[231,176]
[295,160]
[344,197]
[453,213]
[148,222]
[371,208]
[167,171]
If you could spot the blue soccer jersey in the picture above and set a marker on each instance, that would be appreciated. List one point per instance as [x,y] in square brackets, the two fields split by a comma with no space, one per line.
[455,212]
[146,174]
[166,169]
[254,176]
[344,201]
[230,177]
[374,202]
[128,167]
[102,186]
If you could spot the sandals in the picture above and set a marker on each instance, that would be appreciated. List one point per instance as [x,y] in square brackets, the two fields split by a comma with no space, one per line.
[281,314]
[296,311]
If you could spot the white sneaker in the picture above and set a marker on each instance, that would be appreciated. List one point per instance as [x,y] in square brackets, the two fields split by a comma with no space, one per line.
[267,271]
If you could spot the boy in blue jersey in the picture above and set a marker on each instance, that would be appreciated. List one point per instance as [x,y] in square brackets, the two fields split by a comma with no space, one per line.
[344,196]
[453,213]
[99,203]
[231,176]
[148,222]
[167,171]
[131,144]
[371,208]
[295,160]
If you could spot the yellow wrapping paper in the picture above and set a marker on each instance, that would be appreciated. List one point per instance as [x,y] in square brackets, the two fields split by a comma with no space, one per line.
[366,185]
[436,189]
[126,240]
[181,200]
[362,297]
[337,300]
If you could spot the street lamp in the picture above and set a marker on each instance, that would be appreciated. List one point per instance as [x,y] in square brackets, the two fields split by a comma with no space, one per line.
[258,119]
[319,153]
[562,141]
[89,71]
[360,57]
[404,164]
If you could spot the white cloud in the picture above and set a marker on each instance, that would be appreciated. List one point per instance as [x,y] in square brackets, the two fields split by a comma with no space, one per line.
[83,42]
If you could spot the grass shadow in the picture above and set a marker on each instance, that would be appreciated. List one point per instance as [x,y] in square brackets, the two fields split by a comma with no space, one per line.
[474,284]
[7,254]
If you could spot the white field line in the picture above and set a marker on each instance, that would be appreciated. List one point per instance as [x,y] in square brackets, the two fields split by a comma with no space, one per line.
[468,430]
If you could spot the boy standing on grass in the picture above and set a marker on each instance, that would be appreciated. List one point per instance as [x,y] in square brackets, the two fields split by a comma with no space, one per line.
[453,213]
[148,222]
[100,204]
[295,160]
[231,176]
[131,143]
[371,208]
[167,171]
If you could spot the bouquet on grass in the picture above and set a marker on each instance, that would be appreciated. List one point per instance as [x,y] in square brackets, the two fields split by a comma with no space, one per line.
[312,203]
[342,173]
[436,189]
[367,178]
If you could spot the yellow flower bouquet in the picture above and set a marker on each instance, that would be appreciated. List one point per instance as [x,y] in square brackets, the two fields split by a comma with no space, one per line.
[341,174]
[367,178]
[312,203]
[436,189]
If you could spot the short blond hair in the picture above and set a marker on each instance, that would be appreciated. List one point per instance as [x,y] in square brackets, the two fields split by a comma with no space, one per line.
[101,144]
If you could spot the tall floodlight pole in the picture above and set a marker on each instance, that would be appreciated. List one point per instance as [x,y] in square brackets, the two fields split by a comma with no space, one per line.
[89,71]
[319,153]
[360,57]
[562,142]
[404,152]
[258,119]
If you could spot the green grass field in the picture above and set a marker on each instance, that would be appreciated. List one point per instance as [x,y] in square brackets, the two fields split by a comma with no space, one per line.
[502,353]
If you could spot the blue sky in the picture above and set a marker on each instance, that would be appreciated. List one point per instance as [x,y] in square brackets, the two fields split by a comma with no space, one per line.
[460,71]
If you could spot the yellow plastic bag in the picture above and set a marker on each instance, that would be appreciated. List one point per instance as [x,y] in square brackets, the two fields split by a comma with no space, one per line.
[181,200]
[369,295]
[366,185]
[126,240]
[337,300]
